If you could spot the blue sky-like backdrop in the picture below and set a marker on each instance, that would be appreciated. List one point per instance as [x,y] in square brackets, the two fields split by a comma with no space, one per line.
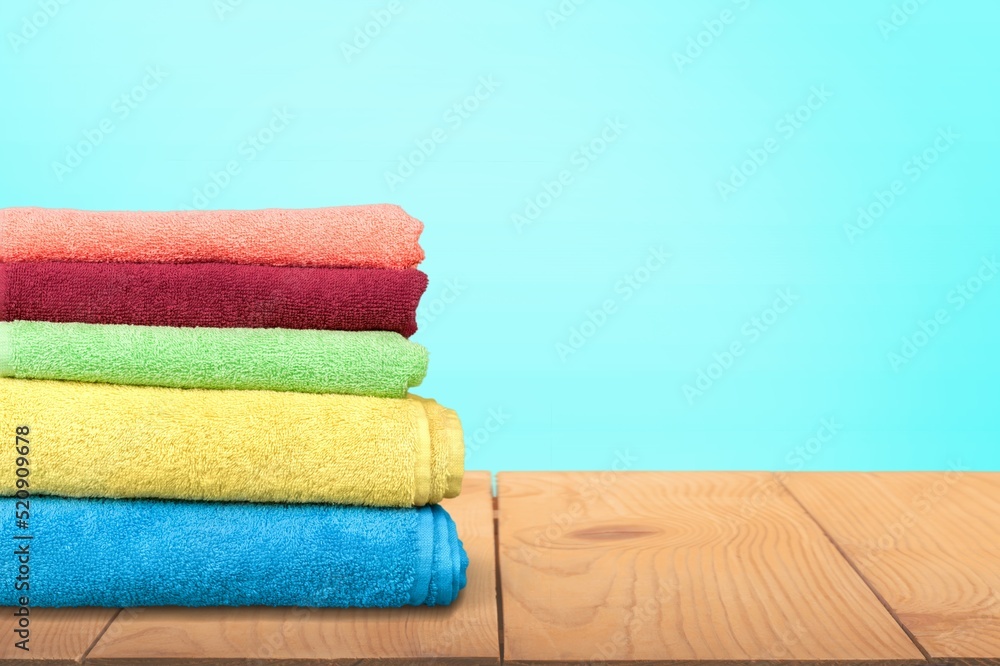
[733,234]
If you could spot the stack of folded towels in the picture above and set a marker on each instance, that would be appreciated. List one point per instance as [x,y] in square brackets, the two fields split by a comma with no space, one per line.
[214,410]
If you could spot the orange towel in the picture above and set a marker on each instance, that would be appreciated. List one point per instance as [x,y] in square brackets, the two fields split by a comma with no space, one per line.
[372,236]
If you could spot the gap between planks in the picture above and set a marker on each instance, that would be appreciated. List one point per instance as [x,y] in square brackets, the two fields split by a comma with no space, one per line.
[929,542]
[779,477]
[496,563]
[99,636]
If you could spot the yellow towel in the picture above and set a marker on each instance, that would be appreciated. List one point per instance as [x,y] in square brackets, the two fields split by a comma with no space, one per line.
[104,440]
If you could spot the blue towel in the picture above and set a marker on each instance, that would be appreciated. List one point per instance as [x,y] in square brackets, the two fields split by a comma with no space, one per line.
[119,553]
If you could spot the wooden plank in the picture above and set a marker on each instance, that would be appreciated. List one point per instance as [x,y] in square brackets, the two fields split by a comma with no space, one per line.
[465,632]
[929,544]
[57,635]
[678,568]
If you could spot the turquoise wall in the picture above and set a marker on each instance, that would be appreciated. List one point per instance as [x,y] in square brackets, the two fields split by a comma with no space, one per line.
[728,234]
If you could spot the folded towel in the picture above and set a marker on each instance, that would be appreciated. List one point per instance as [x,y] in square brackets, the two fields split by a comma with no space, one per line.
[106,440]
[213,295]
[123,553]
[376,363]
[373,236]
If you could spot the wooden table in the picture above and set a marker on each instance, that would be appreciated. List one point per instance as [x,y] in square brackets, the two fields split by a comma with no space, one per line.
[635,567]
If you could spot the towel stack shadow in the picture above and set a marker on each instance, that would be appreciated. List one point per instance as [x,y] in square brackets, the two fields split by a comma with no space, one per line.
[214,409]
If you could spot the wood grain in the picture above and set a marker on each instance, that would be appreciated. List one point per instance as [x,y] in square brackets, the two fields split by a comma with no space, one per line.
[58,635]
[465,632]
[928,542]
[677,568]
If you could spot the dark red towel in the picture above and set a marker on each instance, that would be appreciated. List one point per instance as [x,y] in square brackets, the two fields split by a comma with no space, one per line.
[213,295]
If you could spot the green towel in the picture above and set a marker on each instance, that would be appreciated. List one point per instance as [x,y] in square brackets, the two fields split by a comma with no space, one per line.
[374,363]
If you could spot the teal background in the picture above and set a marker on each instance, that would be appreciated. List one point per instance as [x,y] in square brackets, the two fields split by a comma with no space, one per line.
[817,389]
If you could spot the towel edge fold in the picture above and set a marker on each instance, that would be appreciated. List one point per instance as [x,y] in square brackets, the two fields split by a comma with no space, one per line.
[455,448]
[424,540]
[422,455]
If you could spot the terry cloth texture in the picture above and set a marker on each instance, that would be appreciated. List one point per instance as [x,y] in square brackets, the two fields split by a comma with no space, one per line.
[127,553]
[213,295]
[106,440]
[372,236]
[376,363]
